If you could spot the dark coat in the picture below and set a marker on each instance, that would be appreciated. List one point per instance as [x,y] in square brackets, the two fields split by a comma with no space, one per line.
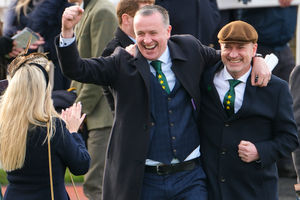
[199,18]
[43,17]
[32,182]
[265,119]
[121,39]
[129,77]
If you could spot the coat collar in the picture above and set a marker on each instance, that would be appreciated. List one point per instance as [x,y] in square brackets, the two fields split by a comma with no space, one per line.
[249,95]
[123,38]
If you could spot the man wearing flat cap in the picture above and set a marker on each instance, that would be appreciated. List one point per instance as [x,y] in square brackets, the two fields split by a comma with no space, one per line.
[244,129]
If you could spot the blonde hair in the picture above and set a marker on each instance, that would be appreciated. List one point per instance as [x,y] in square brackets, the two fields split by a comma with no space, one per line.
[26,101]
[22,5]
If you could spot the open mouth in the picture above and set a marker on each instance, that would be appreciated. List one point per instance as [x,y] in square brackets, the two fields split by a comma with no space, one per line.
[150,47]
[235,60]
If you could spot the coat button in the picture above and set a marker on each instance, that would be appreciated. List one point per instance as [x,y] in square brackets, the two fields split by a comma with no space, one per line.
[152,123]
[227,125]
[223,180]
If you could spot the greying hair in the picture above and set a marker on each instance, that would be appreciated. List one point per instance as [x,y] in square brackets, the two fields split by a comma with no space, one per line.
[151,9]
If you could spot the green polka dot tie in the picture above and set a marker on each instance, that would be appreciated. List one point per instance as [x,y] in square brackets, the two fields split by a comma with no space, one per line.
[160,75]
[229,97]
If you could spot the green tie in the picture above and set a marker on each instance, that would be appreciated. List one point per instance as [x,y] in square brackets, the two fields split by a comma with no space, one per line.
[229,97]
[160,75]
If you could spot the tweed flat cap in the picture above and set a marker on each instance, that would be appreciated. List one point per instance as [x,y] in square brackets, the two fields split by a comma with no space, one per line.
[237,32]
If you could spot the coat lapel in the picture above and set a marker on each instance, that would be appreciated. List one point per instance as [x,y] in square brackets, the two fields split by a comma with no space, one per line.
[143,68]
[212,91]
[79,27]
[249,97]
[184,73]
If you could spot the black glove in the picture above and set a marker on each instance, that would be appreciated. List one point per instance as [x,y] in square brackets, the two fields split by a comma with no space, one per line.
[6,45]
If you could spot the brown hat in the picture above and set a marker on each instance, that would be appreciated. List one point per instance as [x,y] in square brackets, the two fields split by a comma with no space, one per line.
[237,32]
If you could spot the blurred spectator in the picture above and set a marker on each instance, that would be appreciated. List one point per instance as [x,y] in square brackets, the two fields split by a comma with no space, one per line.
[8,49]
[93,32]
[199,18]
[276,27]
[295,91]
[43,17]
[124,35]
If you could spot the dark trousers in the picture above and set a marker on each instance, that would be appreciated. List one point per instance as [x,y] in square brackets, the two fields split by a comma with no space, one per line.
[186,185]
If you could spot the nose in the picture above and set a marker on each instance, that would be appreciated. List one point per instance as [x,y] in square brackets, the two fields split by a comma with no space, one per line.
[147,39]
[233,53]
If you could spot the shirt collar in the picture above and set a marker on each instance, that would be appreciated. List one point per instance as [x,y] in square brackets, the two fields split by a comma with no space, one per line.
[165,57]
[82,5]
[227,76]
[132,39]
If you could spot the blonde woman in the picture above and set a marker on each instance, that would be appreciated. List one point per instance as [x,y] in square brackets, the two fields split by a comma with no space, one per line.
[27,120]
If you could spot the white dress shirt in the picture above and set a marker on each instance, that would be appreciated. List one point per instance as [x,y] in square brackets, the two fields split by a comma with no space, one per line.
[222,85]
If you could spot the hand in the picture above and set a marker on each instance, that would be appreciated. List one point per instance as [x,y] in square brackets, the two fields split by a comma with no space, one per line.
[70,18]
[285,3]
[15,50]
[260,75]
[247,151]
[72,117]
[131,49]
[38,43]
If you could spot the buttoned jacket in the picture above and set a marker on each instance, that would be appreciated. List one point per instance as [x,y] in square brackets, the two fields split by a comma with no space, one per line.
[265,119]
[129,77]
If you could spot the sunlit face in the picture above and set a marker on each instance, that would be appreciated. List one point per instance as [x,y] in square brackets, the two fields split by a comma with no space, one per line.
[151,35]
[237,57]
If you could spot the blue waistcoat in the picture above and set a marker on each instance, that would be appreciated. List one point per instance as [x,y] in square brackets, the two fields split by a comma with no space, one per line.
[174,133]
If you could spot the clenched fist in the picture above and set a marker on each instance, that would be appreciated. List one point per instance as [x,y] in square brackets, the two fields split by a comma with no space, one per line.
[70,18]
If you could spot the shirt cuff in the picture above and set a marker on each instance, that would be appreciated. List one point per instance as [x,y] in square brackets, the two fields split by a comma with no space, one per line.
[64,42]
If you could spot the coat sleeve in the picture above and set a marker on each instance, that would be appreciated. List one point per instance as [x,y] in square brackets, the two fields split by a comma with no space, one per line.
[9,27]
[70,147]
[295,91]
[284,129]
[101,71]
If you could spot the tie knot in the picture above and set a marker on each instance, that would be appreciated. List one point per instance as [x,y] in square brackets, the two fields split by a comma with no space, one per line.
[156,64]
[234,82]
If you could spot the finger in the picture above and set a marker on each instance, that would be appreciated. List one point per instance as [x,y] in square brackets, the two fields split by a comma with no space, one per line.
[244,143]
[77,110]
[265,82]
[82,118]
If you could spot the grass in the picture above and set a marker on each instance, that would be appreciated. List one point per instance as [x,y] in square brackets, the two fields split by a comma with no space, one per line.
[77,179]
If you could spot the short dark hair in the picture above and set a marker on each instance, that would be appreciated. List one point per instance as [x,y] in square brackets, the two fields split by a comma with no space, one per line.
[150,9]
[130,7]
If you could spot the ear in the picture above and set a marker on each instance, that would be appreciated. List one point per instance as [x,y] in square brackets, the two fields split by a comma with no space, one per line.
[125,19]
[254,49]
[169,30]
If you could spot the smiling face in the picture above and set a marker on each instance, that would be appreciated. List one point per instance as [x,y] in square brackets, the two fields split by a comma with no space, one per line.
[237,57]
[152,35]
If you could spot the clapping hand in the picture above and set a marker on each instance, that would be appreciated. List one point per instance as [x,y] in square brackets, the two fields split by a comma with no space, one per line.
[72,117]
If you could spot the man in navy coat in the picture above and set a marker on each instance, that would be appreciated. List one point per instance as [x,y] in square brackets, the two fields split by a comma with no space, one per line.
[244,129]
[153,151]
